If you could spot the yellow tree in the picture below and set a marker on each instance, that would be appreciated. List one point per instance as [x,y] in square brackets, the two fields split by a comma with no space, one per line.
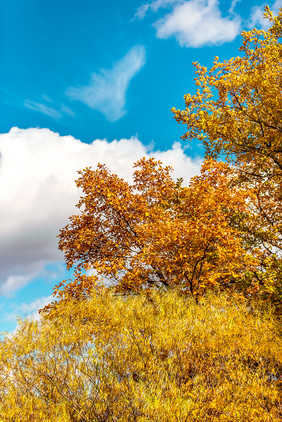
[128,359]
[155,232]
[237,111]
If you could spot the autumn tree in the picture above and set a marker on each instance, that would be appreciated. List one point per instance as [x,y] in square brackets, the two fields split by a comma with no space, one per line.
[237,112]
[127,358]
[156,232]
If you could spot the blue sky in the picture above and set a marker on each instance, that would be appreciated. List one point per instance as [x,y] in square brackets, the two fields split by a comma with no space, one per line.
[83,82]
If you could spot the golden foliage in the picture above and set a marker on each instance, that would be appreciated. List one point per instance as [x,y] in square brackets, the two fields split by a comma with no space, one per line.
[149,357]
[156,232]
[237,111]
[238,105]
[137,353]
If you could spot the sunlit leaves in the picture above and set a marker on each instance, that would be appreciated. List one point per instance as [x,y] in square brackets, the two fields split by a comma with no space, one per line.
[156,232]
[237,111]
[158,357]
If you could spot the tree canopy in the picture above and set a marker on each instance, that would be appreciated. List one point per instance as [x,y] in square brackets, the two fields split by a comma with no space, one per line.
[237,112]
[156,232]
[237,107]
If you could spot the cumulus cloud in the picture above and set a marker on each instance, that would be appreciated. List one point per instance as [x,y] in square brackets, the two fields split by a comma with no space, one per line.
[106,91]
[197,23]
[193,23]
[38,194]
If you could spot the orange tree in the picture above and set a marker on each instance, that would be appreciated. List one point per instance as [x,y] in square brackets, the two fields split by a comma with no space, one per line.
[237,111]
[156,232]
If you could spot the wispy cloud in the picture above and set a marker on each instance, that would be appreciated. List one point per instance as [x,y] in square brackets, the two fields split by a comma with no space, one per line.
[194,23]
[107,89]
[36,304]
[56,112]
[154,6]
[12,284]
[42,108]
[233,5]
[29,310]
[67,110]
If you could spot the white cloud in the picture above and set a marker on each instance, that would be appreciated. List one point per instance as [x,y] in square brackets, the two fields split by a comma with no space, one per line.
[276,6]
[38,194]
[42,108]
[46,109]
[256,17]
[34,306]
[197,23]
[47,98]
[29,310]
[233,5]
[12,284]
[106,91]
[154,6]
[67,110]
[141,11]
